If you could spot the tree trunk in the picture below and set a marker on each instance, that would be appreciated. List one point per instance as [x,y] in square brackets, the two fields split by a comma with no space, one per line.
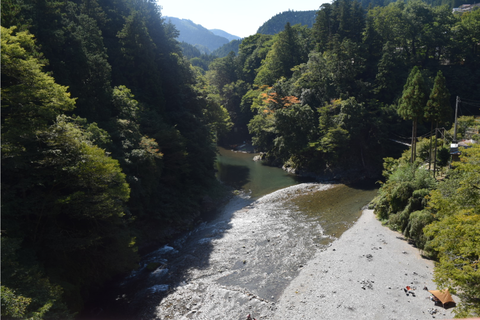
[414,141]
[412,155]
[363,161]
[435,158]
[430,150]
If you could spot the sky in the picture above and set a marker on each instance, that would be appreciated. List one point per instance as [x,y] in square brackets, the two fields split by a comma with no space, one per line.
[241,18]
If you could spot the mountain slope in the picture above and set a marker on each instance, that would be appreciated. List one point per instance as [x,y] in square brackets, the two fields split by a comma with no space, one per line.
[277,23]
[197,35]
[224,50]
[224,34]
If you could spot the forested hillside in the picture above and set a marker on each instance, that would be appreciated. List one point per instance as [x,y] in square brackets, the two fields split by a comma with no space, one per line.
[224,50]
[325,99]
[336,99]
[108,142]
[448,3]
[276,24]
[224,34]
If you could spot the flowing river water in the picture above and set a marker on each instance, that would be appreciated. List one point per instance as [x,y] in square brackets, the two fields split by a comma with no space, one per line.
[241,261]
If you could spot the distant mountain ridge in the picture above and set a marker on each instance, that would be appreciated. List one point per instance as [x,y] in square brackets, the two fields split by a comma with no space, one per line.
[277,23]
[224,34]
[203,39]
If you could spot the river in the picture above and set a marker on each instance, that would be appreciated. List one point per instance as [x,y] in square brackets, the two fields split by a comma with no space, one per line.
[241,261]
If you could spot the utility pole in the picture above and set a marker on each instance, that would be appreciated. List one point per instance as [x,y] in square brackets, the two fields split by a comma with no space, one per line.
[435,159]
[456,112]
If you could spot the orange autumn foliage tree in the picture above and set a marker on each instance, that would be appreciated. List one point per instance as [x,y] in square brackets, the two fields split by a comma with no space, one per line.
[281,124]
[275,101]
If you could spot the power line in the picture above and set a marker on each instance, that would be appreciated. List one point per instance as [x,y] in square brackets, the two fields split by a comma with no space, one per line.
[430,133]
[471,104]
[469,100]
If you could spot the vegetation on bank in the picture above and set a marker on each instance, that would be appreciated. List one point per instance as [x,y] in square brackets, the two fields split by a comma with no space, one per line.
[109,132]
[442,217]
[325,99]
[434,199]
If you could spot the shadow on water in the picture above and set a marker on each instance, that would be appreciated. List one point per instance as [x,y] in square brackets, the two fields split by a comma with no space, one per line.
[365,184]
[238,170]
[136,296]
[235,176]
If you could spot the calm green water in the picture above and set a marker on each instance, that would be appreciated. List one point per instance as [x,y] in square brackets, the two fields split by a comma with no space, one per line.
[238,170]
[335,209]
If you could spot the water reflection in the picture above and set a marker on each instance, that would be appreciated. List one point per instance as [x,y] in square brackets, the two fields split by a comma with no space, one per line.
[238,170]
[233,175]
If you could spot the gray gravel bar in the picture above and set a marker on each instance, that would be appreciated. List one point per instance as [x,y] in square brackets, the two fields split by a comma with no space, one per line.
[362,275]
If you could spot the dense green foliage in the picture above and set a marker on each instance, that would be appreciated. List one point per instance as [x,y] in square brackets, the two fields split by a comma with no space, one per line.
[63,198]
[437,110]
[442,217]
[338,21]
[100,153]
[412,103]
[383,3]
[351,71]
[276,23]
[454,236]
[224,50]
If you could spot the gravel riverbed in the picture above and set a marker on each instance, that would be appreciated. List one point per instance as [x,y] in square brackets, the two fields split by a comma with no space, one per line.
[362,275]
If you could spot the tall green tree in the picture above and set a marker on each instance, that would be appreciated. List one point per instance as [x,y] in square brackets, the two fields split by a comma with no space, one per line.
[325,26]
[418,17]
[216,114]
[24,87]
[252,51]
[390,74]
[412,103]
[438,107]
[139,68]
[467,33]
[295,128]
[223,71]
[344,19]
[284,55]
[372,44]
[72,41]
[333,140]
